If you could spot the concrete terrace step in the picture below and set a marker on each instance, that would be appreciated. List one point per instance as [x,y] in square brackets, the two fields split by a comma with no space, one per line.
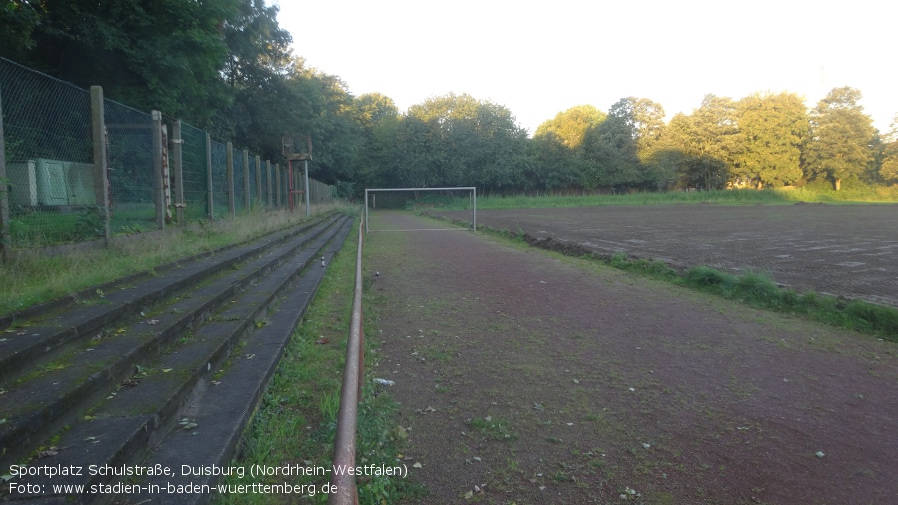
[42,338]
[123,429]
[174,372]
[50,397]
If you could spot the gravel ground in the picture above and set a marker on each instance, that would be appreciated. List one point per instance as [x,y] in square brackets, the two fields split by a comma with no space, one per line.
[527,377]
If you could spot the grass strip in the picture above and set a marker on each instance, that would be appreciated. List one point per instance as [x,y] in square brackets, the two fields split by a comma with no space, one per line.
[37,278]
[295,423]
[861,194]
[753,288]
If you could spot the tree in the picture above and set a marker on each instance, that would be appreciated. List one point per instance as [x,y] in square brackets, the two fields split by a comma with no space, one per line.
[18,20]
[458,140]
[681,153]
[888,170]
[618,150]
[373,108]
[773,130]
[841,135]
[165,54]
[258,48]
[556,148]
[570,126]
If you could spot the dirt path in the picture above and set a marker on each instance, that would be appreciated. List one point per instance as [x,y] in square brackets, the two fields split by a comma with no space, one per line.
[552,380]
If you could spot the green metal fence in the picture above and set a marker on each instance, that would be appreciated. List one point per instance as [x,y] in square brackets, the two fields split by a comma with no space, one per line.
[48,158]
[129,151]
[77,166]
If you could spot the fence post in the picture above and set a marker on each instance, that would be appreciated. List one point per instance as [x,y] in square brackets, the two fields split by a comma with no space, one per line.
[259,180]
[157,168]
[277,182]
[232,200]
[4,195]
[101,175]
[209,201]
[268,180]
[246,203]
[178,162]
[308,202]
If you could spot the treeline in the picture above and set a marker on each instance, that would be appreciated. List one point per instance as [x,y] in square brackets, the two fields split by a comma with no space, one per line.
[226,66]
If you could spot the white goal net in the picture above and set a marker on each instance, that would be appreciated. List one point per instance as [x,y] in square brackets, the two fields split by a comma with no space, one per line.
[458,202]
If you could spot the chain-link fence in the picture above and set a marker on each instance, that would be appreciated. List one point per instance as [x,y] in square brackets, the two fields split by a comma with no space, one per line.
[129,151]
[220,187]
[77,166]
[193,168]
[48,153]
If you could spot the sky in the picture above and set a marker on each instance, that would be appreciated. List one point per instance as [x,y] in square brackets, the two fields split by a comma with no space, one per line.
[541,58]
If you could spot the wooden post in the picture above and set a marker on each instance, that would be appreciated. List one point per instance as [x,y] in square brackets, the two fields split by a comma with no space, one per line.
[101,174]
[4,195]
[210,202]
[157,168]
[246,202]
[232,200]
[177,162]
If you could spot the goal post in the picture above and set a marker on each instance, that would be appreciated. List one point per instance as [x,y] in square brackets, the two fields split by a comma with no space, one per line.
[470,189]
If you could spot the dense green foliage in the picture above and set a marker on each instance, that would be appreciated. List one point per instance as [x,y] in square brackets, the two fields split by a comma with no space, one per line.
[226,66]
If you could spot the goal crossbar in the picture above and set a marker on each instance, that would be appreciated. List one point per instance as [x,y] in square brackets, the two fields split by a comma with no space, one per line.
[472,189]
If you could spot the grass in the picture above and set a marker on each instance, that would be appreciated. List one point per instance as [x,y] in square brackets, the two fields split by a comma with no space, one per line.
[29,279]
[296,422]
[815,192]
[759,290]
[495,429]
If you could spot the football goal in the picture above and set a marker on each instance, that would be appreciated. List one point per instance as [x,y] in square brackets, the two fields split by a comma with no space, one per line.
[460,198]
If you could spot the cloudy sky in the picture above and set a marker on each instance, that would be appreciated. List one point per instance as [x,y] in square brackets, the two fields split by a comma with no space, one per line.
[540,58]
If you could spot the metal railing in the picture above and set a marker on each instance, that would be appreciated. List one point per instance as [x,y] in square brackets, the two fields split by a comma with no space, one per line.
[350,395]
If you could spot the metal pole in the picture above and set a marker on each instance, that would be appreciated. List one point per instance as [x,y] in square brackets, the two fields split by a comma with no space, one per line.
[308,208]
[350,396]
[178,162]
[475,209]
[210,201]
[157,167]
[4,195]
[246,202]
[232,203]
[277,182]
[290,183]
[268,181]
[259,180]
[366,210]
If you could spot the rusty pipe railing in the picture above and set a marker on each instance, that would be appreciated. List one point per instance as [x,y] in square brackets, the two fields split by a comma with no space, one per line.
[346,492]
